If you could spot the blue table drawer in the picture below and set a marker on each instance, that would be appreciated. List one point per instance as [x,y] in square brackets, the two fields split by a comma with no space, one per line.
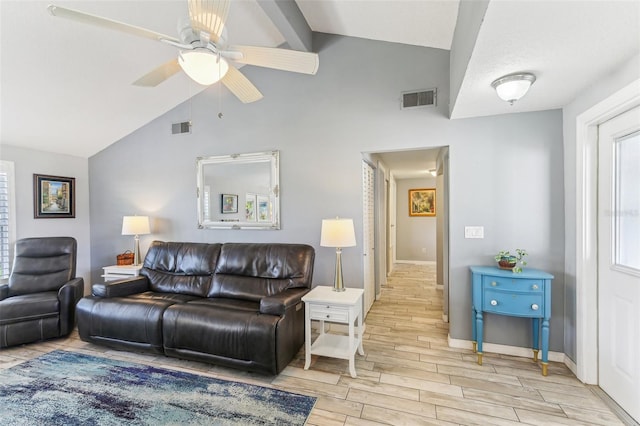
[513,303]
[513,284]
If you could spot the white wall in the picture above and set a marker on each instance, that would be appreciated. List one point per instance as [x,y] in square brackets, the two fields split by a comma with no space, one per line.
[416,235]
[29,161]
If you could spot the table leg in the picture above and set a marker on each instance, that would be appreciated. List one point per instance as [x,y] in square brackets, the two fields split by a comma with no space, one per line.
[360,333]
[352,348]
[535,322]
[479,335]
[307,337]
[545,345]
[473,329]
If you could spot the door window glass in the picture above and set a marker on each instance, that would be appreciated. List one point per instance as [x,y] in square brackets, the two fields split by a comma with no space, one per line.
[627,201]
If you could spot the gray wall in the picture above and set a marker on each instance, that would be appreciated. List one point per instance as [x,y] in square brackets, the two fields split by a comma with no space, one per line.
[607,85]
[29,161]
[416,236]
[506,171]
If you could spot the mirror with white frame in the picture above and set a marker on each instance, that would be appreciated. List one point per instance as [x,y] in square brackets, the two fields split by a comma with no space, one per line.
[239,191]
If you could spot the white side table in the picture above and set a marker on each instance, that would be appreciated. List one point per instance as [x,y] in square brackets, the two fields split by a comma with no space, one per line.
[325,305]
[118,272]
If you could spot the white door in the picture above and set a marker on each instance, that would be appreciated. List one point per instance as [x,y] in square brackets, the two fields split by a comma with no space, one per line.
[619,260]
[368,236]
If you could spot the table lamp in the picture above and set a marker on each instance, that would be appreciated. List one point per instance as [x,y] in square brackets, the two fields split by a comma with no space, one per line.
[136,225]
[338,233]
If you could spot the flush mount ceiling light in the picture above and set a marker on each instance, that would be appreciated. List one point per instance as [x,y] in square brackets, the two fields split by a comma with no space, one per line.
[203,66]
[512,87]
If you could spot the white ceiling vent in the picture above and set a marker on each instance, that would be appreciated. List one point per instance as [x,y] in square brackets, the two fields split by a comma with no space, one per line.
[419,99]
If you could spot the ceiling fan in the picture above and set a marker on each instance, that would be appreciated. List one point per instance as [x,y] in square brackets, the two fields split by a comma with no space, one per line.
[204,55]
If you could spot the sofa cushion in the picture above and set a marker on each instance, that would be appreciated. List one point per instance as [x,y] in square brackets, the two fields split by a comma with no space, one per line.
[223,332]
[253,271]
[136,318]
[184,268]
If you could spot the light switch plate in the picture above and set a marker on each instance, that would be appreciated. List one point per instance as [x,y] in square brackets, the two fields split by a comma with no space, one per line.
[474,231]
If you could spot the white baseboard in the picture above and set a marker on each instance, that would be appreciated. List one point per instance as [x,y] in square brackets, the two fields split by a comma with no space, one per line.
[505,349]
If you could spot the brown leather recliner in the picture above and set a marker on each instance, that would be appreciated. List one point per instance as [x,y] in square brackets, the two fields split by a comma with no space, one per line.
[233,304]
[40,299]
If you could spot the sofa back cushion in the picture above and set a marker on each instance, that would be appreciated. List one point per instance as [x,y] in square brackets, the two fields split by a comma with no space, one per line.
[42,264]
[253,271]
[184,268]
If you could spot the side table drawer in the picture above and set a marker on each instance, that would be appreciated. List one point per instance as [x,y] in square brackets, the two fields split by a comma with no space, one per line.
[514,284]
[323,312]
[513,303]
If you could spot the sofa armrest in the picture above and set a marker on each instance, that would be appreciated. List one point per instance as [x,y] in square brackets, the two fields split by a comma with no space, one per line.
[4,291]
[118,288]
[68,295]
[279,303]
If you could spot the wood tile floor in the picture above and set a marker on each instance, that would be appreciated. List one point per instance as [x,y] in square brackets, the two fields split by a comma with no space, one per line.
[409,376]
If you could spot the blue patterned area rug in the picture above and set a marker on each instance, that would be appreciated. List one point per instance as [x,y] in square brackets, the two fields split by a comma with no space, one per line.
[67,388]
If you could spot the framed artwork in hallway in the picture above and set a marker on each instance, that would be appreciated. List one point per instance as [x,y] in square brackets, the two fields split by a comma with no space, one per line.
[422,202]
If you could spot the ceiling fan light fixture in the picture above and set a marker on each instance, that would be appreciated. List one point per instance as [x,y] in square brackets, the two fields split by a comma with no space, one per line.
[203,66]
[512,87]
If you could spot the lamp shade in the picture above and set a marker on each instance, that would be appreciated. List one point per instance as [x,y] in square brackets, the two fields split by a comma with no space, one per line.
[510,88]
[135,225]
[203,66]
[337,233]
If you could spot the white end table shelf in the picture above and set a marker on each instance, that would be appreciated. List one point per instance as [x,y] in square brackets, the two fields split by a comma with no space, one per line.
[325,305]
[118,272]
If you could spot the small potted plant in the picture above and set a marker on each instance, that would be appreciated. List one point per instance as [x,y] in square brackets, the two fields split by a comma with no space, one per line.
[515,262]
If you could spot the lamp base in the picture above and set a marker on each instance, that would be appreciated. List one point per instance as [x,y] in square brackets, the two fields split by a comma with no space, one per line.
[136,251]
[337,280]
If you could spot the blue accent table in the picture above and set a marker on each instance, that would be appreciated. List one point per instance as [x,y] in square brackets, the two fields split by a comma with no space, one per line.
[503,292]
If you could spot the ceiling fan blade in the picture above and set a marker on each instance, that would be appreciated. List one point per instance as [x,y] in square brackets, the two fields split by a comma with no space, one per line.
[240,86]
[280,59]
[110,24]
[159,74]
[209,16]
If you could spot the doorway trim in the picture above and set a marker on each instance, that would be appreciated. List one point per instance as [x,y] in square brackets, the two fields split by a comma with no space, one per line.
[586,225]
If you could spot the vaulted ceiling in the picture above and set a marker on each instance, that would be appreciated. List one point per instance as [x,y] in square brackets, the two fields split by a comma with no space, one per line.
[61,81]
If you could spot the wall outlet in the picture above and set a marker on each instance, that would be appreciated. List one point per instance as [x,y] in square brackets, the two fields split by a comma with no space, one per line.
[474,231]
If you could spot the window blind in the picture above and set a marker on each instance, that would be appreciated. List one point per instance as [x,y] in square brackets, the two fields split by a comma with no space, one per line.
[6,221]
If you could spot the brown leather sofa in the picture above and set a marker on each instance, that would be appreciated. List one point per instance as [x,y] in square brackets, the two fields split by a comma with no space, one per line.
[233,304]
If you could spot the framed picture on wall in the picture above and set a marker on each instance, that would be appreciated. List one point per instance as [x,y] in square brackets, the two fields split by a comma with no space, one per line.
[422,202]
[54,197]
[228,203]
[264,208]
[250,207]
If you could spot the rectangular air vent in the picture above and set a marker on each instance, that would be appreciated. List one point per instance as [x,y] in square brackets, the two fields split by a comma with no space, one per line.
[419,99]
[178,128]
